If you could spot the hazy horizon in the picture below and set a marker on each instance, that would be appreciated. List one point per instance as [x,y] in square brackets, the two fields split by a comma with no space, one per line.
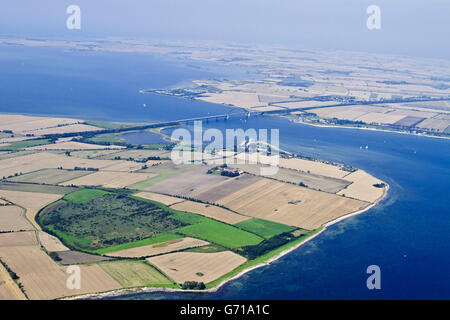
[410,27]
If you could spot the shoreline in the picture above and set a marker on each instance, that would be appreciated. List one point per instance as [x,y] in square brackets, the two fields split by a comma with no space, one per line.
[364,128]
[143,290]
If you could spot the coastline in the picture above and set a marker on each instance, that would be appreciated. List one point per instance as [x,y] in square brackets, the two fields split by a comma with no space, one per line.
[142,290]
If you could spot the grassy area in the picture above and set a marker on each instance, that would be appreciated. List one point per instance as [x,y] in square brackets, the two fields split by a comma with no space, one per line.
[84,195]
[211,248]
[262,259]
[136,274]
[26,144]
[220,233]
[8,155]
[264,228]
[140,243]
[93,219]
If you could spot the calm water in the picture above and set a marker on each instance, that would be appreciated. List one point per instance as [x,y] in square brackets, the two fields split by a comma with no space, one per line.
[408,235]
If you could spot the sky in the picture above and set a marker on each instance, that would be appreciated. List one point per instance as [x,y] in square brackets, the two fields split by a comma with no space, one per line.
[411,27]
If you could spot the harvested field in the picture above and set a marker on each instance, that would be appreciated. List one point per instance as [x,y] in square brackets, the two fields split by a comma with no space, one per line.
[194,266]
[187,183]
[69,257]
[409,121]
[72,145]
[121,165]
[13,154]
[210,211]
[31,201]
[49,176]
[225,188]
[362,187]
[94,154]
[25,124]
[42,278]
[39,188]
[51,243]
[289,204]
[8,288]
[386,118]
[134,274]
[159,248]
[313,181]
[314,167]
[435,124]
[27,238]
[167,200]
[65,129]
[12,219]
[109,179]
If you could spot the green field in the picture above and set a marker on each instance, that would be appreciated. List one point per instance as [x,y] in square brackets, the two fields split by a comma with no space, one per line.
[84,195]
[132,274]
[264,228]
[93,219]
[26,144]
[220,233]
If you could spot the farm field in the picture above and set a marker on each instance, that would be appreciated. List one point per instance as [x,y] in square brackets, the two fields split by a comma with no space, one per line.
[135,274]
[12,219]
[109,179]
[188,183]
[220,233]
[26,238]
[42,278]
[264,228]
[363,187]
[289,204]
[72,145]
[39,188]
[51,243]
[225,188]
[159,248]
[210,211]
[314,167]
[69,257]
[8,288]
[167,200]
[136,154]
[194,266]
[31,201]
[49,176]
[313,181]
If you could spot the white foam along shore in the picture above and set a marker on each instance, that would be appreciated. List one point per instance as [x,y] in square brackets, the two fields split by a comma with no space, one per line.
[123,292]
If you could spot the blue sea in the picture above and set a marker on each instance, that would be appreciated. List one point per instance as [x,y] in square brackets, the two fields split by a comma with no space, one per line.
[407,235]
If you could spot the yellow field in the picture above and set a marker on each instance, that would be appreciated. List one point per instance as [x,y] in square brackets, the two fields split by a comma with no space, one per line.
[51,243]
[109,179]
[210,211]
[12,219]
[194,266]
[167,200]
[31,201]
[159,248]
[290,204]
[8,288]
[362,187]
[42,278]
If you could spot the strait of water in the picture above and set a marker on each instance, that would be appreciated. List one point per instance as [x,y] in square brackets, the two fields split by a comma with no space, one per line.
[407,235]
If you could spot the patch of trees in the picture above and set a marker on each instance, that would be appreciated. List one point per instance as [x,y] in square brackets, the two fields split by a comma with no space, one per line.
[193,285]
[379,185]
[85,169]
[254,251]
